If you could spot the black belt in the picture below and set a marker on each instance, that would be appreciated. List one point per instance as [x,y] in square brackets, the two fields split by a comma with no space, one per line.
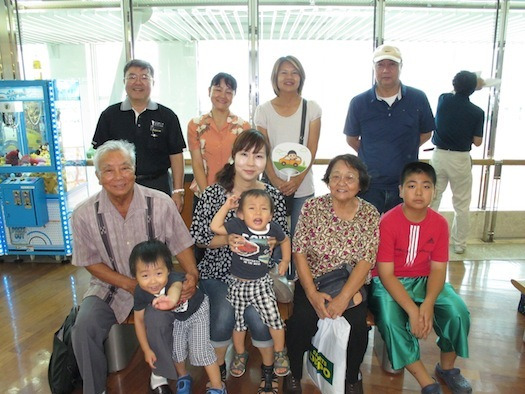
[450,150]
[150,177]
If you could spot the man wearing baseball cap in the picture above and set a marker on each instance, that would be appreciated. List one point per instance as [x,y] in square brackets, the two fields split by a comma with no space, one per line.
[386,125]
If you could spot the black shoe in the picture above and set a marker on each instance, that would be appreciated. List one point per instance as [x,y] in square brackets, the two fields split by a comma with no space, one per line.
[354,388]
[222,368]
[291,385]
[163,389]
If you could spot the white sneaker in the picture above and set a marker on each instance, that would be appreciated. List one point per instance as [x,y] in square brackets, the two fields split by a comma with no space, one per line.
[459,249]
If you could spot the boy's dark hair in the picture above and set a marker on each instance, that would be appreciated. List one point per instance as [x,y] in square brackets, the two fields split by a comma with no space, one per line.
[150,252]
[418,167]
[248,140]
[228,80]
[351,161]
[256,193]
[144,65]
[465,83]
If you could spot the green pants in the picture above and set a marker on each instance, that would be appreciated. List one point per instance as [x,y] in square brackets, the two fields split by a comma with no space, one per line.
[451,321]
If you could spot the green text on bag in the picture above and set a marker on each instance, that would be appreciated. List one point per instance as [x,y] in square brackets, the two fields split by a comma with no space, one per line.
[323,366]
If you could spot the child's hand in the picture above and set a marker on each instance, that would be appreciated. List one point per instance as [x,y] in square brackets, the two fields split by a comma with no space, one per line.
[235,241]
[416,328]
[232,202]
[163,303]
[272,243]
[150,358]
[426,318]
[283,267]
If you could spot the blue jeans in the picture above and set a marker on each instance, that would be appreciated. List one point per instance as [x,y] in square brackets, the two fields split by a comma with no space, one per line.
[383,199]
[222,317]
[296,211]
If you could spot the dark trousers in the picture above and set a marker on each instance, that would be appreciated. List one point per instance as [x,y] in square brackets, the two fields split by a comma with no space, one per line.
[199,252]
[383,199]
[91,329]
[302,326]
[161,183]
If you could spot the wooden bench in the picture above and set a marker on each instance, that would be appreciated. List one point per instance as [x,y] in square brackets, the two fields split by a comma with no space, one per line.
[380,347]
[121,344]
[378,344]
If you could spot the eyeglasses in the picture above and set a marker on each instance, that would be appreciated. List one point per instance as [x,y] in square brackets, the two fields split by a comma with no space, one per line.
[347,179]
[142,77]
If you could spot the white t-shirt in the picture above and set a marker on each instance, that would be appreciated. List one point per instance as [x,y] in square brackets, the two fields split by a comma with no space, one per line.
[288,129]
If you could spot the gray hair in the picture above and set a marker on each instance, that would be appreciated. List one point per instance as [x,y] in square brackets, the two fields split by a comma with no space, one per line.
[127,148]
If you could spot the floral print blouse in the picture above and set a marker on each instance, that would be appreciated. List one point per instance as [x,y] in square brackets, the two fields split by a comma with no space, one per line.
[327,241]
[215,145]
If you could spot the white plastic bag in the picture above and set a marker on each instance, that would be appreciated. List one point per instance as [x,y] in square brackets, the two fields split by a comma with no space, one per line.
[326,363]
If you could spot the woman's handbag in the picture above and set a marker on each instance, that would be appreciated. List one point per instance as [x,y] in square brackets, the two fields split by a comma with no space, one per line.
[326,363]
[332,283]
[282,287]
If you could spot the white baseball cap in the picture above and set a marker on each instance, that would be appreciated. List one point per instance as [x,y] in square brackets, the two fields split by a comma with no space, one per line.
[383,52]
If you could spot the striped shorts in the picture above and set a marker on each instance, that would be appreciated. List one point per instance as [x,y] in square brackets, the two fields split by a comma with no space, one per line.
[195,331]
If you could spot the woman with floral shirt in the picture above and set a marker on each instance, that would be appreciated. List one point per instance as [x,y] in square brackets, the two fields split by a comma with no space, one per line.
[337,230]
[211,136]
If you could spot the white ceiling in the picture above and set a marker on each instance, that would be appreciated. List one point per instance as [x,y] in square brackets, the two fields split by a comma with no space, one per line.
[100,21]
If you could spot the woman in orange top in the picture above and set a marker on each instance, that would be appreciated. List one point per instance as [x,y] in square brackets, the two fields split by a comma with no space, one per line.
[211,136]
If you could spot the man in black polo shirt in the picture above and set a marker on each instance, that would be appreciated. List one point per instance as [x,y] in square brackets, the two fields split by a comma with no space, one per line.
[459,124]
[153,128]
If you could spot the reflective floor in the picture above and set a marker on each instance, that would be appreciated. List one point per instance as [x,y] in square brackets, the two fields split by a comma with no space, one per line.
[36,296]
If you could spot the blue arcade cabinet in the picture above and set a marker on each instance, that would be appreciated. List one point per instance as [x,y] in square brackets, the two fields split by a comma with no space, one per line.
[35,198]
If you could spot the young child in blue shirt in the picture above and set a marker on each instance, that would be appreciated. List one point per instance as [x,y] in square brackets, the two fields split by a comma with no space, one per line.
[160,287]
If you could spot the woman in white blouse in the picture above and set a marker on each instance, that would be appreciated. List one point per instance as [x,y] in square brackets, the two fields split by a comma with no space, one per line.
[280,121]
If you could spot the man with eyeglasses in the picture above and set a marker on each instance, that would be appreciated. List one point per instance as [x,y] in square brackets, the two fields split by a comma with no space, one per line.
[153,128]
[386,125]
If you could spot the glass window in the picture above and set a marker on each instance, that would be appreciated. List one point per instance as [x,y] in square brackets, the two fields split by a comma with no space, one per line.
[510,138]
[334,45]
[82,44]
[438,42]
[187,46]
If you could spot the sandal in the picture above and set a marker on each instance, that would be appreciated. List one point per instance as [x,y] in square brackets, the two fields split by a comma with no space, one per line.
[238,365]
[281,363]
[184,384]
[269,379]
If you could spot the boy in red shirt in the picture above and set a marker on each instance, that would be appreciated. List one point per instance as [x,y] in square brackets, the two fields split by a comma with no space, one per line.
[410,295]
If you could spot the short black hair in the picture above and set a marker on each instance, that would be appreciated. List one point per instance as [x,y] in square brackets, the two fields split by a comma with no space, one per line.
[228,80]
[354,162]
[149,253]
[418,167]
[140,64]
[256,193]
[465,83]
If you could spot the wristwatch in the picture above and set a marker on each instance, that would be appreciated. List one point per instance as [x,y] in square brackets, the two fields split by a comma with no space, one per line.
[178,191]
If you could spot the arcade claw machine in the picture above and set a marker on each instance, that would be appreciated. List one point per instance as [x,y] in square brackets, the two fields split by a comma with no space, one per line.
[35,196]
